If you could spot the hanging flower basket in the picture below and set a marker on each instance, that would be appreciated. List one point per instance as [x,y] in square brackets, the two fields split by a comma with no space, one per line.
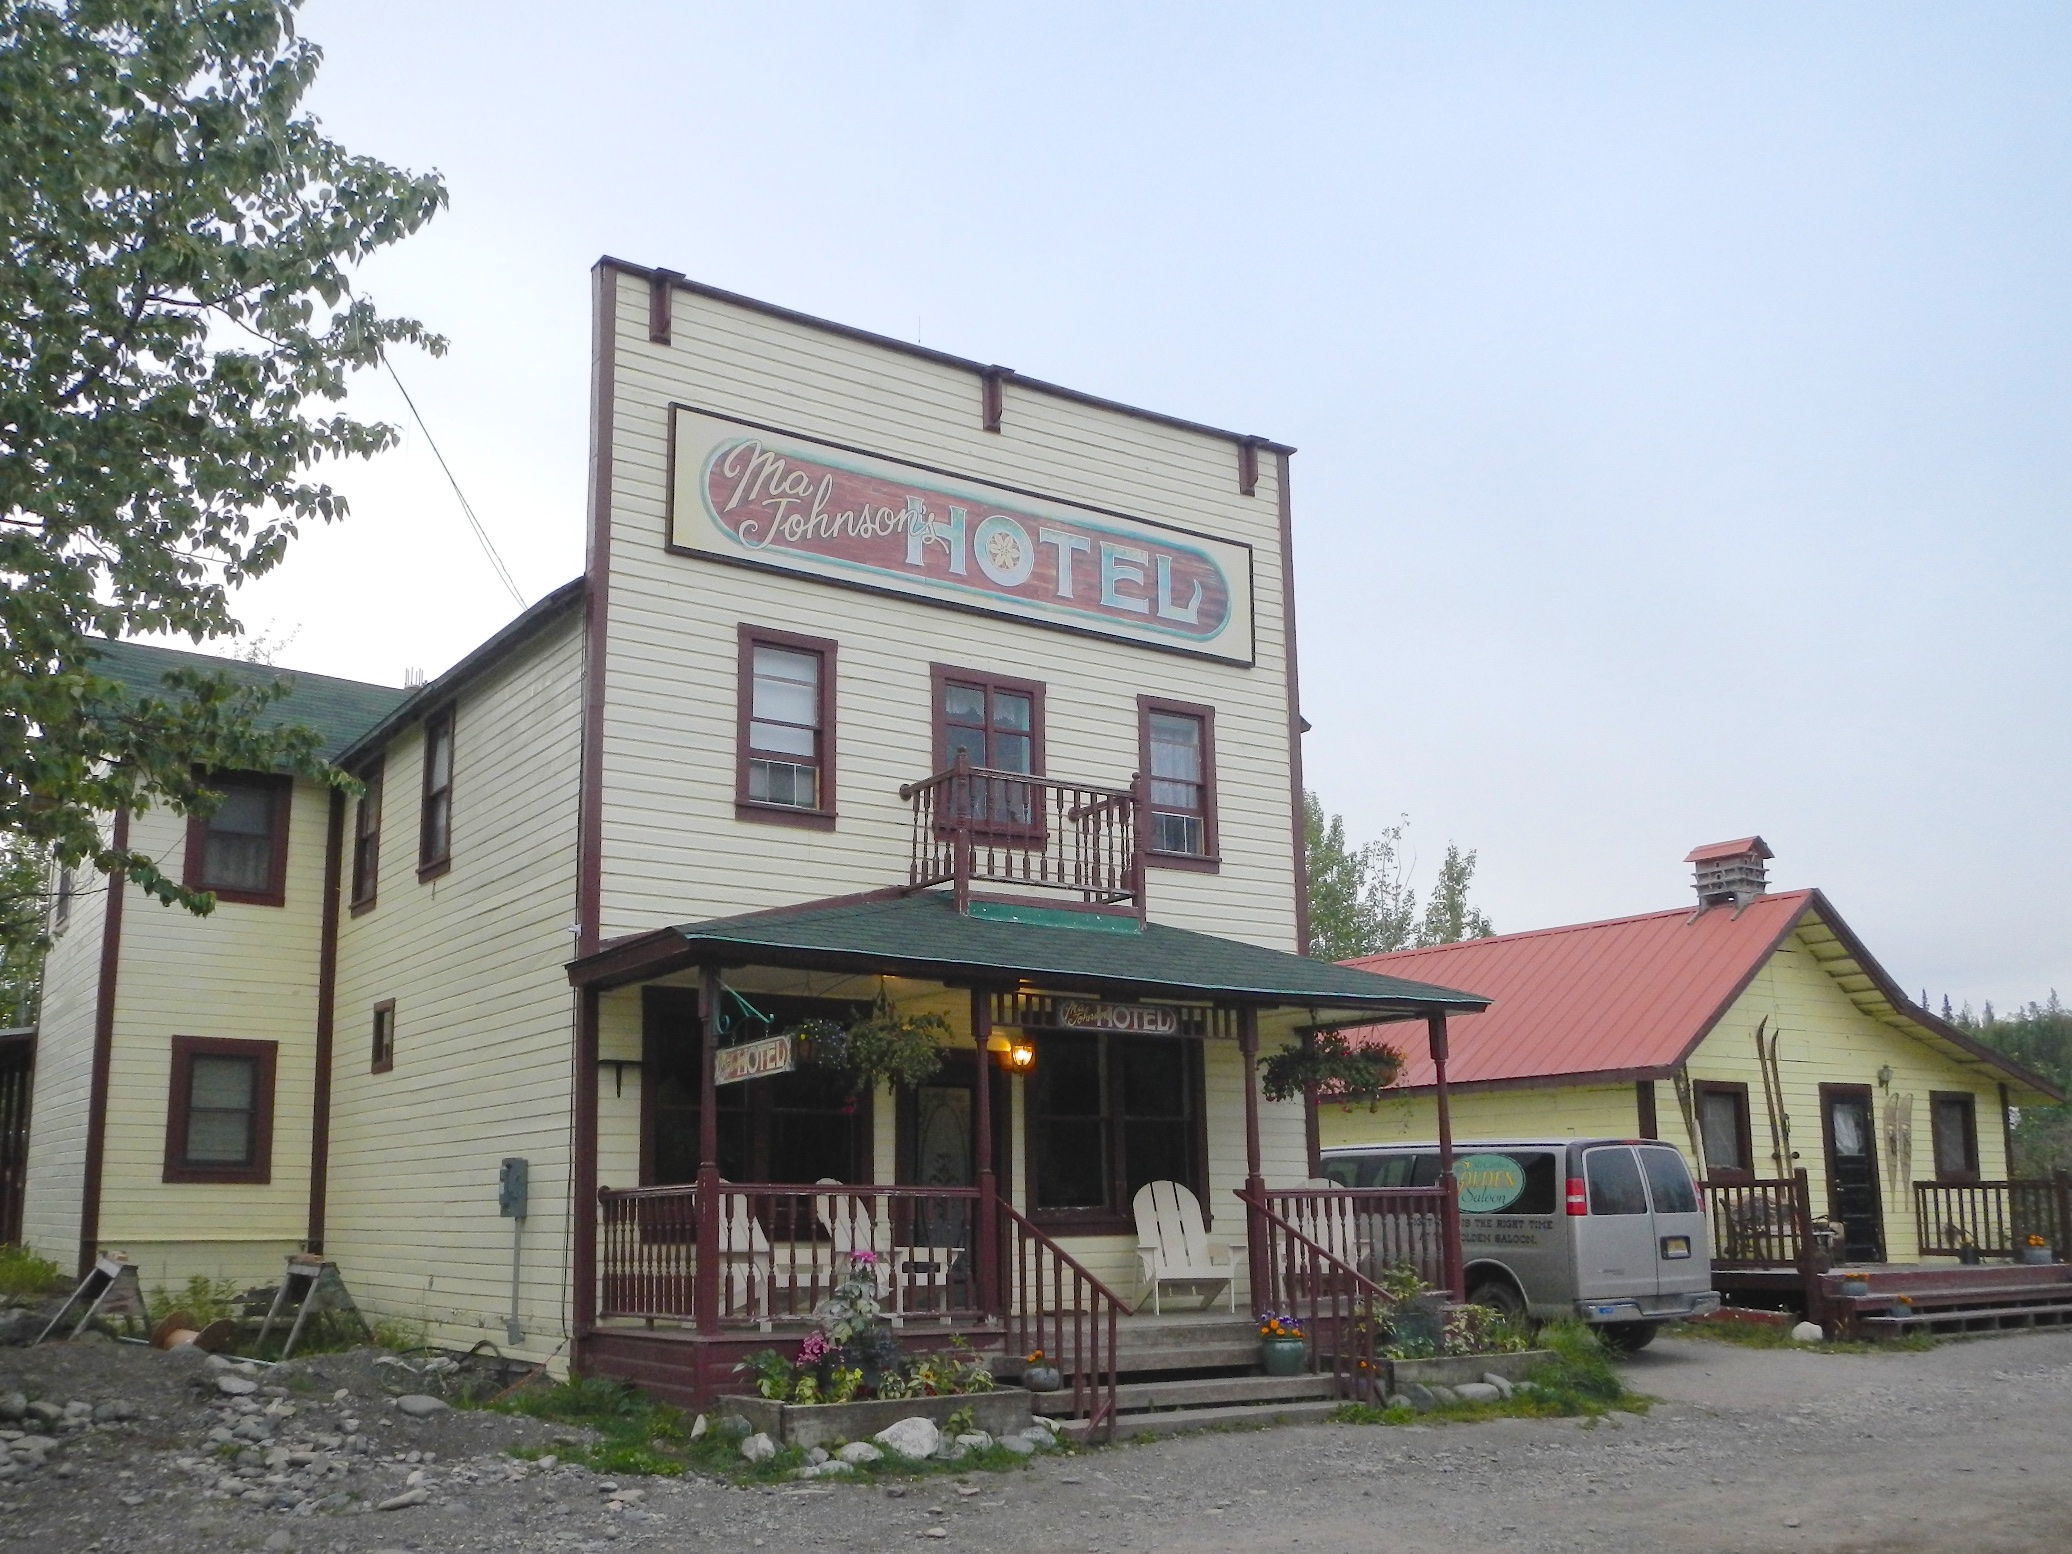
[1341,1071]
[887,1047]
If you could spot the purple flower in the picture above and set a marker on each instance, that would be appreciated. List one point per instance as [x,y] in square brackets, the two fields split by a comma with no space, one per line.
[813,1349]
[863,1258]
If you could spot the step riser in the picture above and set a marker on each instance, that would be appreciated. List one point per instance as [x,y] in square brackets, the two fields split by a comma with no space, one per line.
[1139,1397]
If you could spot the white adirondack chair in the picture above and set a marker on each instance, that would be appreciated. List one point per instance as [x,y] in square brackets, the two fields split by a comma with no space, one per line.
[1174,1248]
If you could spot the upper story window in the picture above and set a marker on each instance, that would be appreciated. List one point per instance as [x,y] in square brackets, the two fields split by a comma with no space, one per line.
[219,1118]
[435,823]
[61,900]
[241,851]
[1177,750]
[367,840]
[996,724]
[785,734]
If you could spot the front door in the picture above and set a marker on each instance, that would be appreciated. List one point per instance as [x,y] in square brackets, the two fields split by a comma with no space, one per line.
[1852,1171]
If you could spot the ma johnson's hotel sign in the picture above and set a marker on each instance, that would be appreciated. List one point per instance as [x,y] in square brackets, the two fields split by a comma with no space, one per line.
[746,493]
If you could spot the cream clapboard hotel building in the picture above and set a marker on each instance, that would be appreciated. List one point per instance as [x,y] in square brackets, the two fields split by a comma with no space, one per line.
[891,677]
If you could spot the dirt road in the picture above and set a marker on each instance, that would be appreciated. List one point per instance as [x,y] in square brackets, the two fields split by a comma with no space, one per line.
[1963,1448]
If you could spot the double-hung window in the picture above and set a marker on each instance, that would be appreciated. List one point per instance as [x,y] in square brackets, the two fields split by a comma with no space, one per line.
[1176,749]
[1953,1119]
[996,725]
[1723,1130]
[240,852]
[1107,1114]
[786,728]
[219,1119]
[367,840]
[435,820]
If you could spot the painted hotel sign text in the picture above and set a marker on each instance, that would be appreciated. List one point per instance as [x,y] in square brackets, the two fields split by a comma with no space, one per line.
[750,494]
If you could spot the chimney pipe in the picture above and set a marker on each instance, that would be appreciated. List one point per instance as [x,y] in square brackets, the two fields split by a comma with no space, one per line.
[1730,873]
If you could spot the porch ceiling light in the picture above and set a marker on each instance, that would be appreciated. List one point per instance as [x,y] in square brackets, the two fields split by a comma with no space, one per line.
[1021,1056]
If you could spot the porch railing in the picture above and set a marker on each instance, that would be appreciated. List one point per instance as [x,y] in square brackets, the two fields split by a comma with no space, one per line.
[1369,1228]
[1340,1309]
[1056,1305]
[1994,1219]
[973,824]
[1761,1223]
[781,1249]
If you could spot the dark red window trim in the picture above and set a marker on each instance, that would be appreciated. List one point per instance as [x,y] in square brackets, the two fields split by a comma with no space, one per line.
[1116,1218]
[382,1052]
[1969,1101]
[1210,859]
[824,816]
[429,865]
[942,675]
[366,869]
[276,892]
[257,1170]
[1739,1092]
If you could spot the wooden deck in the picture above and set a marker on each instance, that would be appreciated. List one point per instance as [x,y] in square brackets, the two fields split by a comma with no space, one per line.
[1909,1297]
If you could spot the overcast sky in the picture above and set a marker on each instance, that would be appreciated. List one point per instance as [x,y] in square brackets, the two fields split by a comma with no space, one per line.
[1681,391]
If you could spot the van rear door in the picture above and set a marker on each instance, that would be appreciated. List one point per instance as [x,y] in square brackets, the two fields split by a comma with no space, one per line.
[1683,1264]
[1615,1242]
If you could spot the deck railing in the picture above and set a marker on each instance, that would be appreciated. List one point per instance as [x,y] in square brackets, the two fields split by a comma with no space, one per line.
[973,824]
[1993,1219]
[1055,1304]
[1370,1228]
[781,1249]
[1761,1223]
[1339,1308]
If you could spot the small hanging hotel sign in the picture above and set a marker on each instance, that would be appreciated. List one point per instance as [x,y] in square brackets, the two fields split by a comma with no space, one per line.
[752,494]
[754,1060]
[1136,1019]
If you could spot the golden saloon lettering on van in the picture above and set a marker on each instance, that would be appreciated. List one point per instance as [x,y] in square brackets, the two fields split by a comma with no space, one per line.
[787,501]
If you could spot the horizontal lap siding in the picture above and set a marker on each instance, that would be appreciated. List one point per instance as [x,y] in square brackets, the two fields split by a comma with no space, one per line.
[474,960]
[244,972]
[1576,1111]
[1828,1040]
[673,849]
[64,1078]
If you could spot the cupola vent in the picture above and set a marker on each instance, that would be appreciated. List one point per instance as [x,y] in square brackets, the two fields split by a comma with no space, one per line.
[1730,873]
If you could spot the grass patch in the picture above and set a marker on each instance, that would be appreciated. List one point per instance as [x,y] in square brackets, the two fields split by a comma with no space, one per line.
[22,1272]
[1577,1378]
[637,1435]
[1761,1335]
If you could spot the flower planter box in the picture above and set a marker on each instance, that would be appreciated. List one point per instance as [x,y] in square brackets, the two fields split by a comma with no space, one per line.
[1003,1411]
[1453,1369]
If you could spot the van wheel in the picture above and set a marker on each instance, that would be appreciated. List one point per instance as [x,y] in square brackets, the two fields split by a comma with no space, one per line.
[1500,1296]
[1628,1337]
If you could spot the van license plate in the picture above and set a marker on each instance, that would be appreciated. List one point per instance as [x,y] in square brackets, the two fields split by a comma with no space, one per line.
[1676,1246]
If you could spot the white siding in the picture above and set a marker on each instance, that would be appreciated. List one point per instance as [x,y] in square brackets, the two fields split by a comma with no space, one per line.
[483,1035]
[64,1078]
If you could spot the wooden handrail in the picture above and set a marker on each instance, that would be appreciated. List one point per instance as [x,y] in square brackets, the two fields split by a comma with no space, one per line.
[1038,1308]
[1333,1300]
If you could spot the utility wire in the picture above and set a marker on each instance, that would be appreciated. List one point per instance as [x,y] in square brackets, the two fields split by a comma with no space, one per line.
[488,546]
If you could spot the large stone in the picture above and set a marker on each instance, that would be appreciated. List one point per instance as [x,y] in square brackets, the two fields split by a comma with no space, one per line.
[13,1406]
[860,1452]
[1808,1333]
[1492,1379]
[1445,1395]
[236,1386]
[1477,1392]
[913,1437]
[759,1447]
[1020,1445]
[114,1411]
[406,1499]
[417,1406]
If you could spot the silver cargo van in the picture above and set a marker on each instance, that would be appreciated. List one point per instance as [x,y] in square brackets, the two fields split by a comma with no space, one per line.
[1609,1230]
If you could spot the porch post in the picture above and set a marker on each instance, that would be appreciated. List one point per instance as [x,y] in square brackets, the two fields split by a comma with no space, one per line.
[583,1212]
[706,1294]
[1435,1030]
[1255,1184]
[982,1104]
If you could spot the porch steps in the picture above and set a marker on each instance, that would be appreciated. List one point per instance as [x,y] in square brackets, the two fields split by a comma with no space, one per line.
[1978,1299]
[1198,1392]
[1200,1371]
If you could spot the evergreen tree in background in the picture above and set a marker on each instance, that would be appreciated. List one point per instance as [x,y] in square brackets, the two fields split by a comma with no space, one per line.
[2039,1037]
[1361,901]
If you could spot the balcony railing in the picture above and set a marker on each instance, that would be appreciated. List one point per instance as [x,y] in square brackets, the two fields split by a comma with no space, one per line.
[972,825]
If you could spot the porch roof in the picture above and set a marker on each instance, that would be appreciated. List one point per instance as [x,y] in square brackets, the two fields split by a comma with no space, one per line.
[922,934]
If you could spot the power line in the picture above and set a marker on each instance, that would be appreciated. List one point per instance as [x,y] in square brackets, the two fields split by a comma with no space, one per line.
[488,546]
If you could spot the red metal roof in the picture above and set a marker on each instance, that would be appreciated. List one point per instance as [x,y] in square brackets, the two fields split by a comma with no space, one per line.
[1624,999]
[1734,849]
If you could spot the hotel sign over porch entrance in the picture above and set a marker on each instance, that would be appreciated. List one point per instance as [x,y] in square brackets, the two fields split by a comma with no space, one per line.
[762,497]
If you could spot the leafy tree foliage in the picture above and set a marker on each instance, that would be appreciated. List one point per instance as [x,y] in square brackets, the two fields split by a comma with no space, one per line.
[176,324]
[1361,901]
[2039,1037]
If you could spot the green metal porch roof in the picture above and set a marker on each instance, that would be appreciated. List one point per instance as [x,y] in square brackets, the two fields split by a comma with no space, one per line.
[922,934]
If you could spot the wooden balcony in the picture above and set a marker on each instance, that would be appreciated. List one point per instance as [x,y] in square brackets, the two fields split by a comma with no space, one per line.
[972,825]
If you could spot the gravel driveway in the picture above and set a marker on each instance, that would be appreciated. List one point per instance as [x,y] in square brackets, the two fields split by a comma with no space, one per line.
[1961,1448]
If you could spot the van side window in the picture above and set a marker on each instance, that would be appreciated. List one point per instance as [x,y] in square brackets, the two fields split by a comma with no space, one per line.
[1669,1182]
[1424,1172]
[1614,1179]
[1540,1186]
[1345,1173]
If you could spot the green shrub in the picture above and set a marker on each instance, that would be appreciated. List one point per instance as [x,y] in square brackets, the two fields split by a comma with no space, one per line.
[22,1272]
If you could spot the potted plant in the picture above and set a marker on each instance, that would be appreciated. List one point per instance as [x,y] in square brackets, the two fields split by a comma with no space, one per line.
[1039,1375]
[905,1050]
[2036,1250]
[1283,1347]
[1328,1062]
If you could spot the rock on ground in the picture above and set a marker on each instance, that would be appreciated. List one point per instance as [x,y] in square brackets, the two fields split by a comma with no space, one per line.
[916,1438]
